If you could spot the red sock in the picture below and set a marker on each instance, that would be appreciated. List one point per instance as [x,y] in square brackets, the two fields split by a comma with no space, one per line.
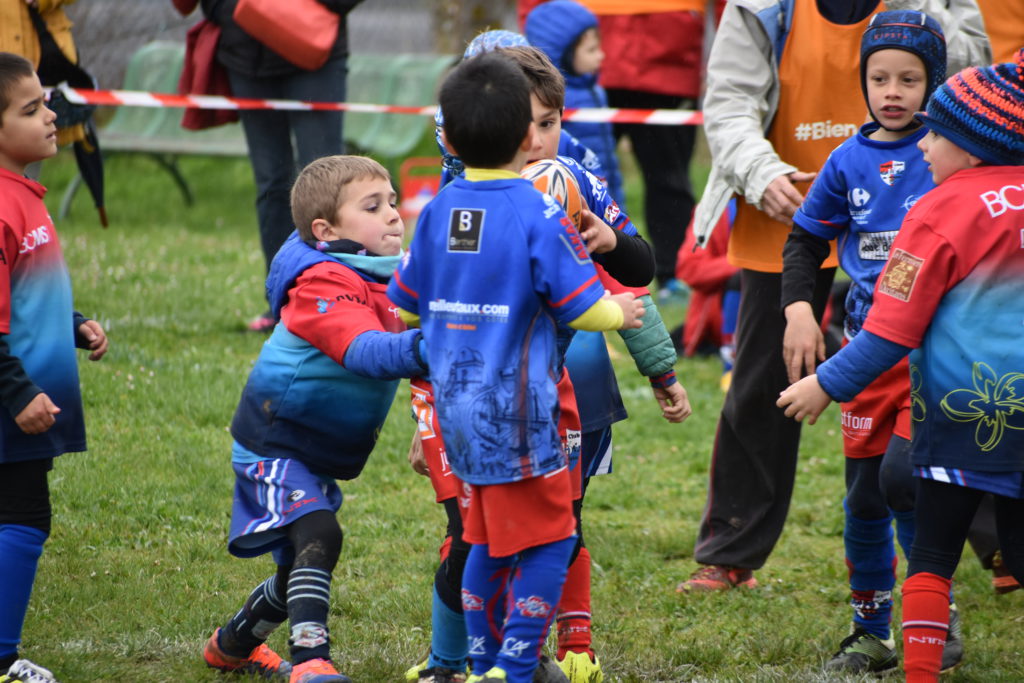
[574,610]
[925,624]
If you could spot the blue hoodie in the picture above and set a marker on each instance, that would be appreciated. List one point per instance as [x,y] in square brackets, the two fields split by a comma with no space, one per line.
[555,28]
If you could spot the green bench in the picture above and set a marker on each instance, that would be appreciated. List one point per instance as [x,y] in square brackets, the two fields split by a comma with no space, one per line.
[402,79]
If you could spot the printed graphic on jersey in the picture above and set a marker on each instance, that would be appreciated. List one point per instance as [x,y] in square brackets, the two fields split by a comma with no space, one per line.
[874,246]
[465,229]
[918,409]
[995,403]
[891,171]
[858,196]
[900,275]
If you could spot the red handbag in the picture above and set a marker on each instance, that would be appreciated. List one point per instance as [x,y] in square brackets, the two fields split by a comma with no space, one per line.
[301,31]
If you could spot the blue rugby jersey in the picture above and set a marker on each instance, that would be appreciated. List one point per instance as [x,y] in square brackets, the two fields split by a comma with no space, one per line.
[859,199]
[494,265]
[36,316]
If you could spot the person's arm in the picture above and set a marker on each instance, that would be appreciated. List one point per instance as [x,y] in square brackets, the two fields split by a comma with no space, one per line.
[387,355]
[655,355]
[16,388]
[966,40]
[742,91]
[803,343]
[631,261]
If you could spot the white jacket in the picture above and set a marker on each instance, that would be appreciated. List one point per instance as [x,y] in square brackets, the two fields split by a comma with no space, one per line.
[743,92]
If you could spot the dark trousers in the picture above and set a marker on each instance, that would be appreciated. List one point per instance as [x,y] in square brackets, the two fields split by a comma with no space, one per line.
[755,452]
[275,162]
[663,154]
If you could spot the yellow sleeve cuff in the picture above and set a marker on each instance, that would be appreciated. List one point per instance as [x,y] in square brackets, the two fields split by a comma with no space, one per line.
[409,318]
[604,315]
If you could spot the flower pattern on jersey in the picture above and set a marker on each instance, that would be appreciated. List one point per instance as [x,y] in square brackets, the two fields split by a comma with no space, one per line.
[996,403]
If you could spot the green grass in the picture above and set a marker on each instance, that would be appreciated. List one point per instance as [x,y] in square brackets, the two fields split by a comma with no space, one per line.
[136,574]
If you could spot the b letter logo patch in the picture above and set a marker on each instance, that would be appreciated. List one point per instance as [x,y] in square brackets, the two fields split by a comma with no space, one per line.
[465,229]
[900,274]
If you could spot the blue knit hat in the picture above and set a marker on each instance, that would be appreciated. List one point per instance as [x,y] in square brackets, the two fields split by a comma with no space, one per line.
[981,109]
[908,30]
[555,27]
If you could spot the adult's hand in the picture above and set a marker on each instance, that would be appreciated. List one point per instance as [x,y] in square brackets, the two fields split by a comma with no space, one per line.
[781,199]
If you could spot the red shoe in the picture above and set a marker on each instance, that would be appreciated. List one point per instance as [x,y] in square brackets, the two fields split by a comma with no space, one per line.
[262,661]
[1002,579]
[317,671]
[715,577]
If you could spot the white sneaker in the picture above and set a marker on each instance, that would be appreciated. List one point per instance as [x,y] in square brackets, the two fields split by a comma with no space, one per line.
[24,671]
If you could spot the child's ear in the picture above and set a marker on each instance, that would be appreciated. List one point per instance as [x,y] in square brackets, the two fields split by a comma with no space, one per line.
[322,230]
[531,140]
[974,161]
[448,145]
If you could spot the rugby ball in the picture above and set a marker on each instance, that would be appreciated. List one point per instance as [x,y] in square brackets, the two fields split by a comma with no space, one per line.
[553,178]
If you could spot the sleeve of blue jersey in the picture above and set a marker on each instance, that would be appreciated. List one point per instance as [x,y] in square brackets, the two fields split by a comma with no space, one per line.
[825,211]
[596,195]
[400,296]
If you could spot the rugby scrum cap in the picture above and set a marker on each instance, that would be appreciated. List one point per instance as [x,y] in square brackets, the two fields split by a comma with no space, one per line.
[981,109]
[909,30]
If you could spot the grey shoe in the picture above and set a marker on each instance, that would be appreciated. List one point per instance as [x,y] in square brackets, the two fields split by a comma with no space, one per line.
[953,652]
[863,652]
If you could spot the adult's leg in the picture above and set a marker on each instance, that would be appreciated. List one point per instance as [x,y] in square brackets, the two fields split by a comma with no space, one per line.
[663,154]
[755,452]
[317,133]
[272,159]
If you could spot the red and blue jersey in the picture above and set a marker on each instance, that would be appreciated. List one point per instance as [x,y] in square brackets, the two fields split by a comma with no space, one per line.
[494,266]
[36,318]
[952,291]
[859,199]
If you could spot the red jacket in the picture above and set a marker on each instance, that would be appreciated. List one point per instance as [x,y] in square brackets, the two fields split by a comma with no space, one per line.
[705,271]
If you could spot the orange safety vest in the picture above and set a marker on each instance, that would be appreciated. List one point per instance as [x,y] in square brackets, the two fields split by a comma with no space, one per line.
[820,106]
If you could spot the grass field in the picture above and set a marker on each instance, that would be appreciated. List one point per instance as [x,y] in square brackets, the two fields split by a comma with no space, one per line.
[136,574]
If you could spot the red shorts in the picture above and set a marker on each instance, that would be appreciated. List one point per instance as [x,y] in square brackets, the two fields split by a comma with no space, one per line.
[512,517]
[878,412]
[446,483]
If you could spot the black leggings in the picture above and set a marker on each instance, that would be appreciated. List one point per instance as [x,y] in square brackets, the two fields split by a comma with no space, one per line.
[943,514]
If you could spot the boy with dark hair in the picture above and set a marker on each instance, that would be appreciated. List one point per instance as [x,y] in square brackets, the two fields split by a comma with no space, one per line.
[312,409]
[493,359]
[38,370]
[950,296]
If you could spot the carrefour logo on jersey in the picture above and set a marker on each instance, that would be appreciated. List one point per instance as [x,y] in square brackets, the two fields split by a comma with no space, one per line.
[455,310]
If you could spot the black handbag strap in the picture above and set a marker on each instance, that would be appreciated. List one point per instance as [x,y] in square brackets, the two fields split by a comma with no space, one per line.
[54,65]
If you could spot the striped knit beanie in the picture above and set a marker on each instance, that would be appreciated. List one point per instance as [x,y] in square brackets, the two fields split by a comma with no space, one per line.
[981,109]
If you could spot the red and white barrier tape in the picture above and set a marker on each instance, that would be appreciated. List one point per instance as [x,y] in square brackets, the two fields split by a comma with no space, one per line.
[135,98]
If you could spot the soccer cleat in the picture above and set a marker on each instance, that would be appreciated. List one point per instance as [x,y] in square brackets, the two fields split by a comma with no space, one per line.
[863,652]
[317,671]
[578,667]
[412,674]
[953,652]
[439,674]
[547,671]
[262,661]
[715,577]
[1002,579]
[24,671]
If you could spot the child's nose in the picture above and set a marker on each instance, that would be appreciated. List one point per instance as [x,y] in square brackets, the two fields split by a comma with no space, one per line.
[50,115]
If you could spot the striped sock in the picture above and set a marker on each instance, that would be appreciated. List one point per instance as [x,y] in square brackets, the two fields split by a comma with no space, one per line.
[309,595]
[263,612]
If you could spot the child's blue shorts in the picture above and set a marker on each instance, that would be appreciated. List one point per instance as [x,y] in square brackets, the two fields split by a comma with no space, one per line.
[270,495]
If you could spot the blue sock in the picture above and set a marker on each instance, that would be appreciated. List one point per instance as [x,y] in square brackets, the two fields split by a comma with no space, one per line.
[871,559]
[535,591]
[448,638]
[905,530]
[484,590]
[20,548]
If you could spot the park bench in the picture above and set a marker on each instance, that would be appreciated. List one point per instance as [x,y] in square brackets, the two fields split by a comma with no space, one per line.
[395,79]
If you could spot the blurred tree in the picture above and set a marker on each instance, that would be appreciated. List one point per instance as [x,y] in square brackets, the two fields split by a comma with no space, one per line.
[458,21]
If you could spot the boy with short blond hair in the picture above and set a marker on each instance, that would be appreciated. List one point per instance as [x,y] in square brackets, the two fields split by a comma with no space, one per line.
[495,359]
[950,296]
[312,409]
[39,332]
